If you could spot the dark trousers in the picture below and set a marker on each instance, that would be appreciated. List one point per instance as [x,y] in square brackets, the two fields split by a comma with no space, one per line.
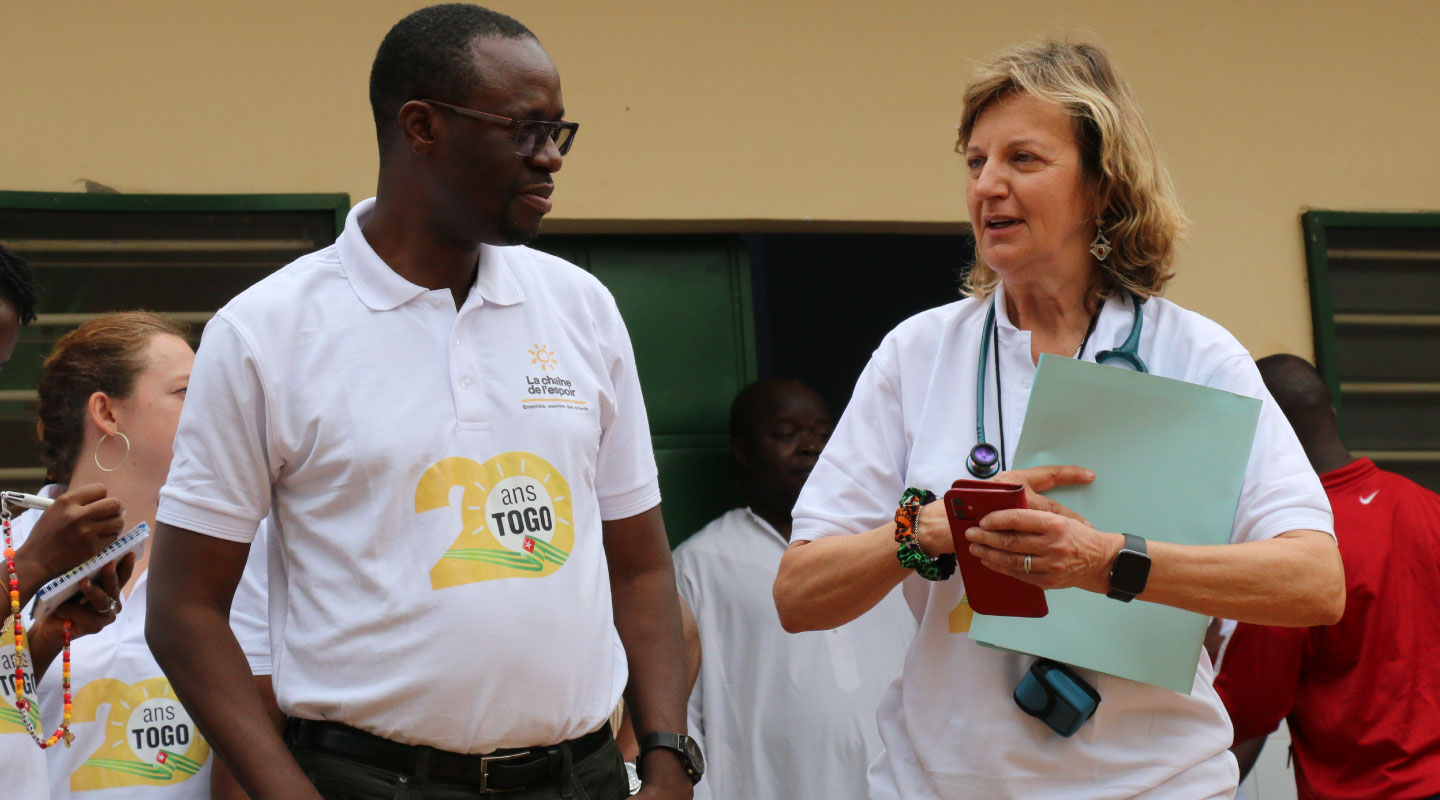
[601,776]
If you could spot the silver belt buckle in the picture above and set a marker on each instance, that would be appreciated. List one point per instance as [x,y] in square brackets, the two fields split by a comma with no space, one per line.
[485,762]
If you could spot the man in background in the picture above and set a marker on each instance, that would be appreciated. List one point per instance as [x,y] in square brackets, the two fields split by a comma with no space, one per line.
[780,715]
[1362,696]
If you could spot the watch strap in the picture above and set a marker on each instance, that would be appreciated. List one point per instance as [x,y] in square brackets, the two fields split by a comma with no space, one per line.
[678,742]
[1130,585]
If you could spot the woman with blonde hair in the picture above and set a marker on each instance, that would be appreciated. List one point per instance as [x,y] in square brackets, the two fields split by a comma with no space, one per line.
[1075,225]
[110,398]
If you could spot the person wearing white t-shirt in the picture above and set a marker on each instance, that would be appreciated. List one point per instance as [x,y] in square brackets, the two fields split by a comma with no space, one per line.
[110,394]
[780,714]
[444,433]
[1075,223]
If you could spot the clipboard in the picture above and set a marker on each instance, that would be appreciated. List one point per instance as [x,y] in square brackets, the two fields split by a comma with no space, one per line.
[1169,459]
[64,587]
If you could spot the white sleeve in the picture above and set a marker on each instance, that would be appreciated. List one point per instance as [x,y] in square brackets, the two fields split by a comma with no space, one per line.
[249,610]
[861,473]
[221,476]
[1281,491]
[626,479]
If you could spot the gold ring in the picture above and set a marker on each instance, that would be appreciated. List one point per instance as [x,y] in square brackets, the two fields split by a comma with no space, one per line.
[1027,565]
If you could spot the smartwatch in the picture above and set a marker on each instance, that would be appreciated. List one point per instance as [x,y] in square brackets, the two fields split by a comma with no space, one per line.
[1130,570]
[690,756]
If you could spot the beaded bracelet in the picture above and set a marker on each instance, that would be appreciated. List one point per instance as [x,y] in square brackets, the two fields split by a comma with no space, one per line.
[22,703]
[910,554]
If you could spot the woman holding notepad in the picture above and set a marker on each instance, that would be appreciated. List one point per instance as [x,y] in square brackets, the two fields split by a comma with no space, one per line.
[110,398]
[1075,225]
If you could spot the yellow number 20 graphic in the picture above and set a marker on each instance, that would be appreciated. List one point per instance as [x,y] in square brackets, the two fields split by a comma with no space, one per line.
[516,516]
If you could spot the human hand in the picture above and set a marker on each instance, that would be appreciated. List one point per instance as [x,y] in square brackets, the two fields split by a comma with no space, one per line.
[95,606]
[1043,479]
[79,525]
[1063,552]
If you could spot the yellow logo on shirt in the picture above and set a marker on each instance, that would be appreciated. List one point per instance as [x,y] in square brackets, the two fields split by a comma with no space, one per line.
[10,719]
[543,356]
[516,518]
[150,739]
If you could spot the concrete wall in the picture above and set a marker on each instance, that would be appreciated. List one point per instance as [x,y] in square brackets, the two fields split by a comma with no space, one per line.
[787,112]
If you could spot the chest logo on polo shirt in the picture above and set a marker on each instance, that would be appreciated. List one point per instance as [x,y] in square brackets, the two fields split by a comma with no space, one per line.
[549,389]
[516,518]
[10,719]
[543,356]
[149,740]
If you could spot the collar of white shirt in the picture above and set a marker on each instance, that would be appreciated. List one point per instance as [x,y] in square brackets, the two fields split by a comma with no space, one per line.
[382,289]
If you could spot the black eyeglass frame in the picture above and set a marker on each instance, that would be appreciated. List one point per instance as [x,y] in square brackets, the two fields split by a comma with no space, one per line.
[562,132]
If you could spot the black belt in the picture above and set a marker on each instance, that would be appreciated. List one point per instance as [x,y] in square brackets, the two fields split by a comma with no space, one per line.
[500,771]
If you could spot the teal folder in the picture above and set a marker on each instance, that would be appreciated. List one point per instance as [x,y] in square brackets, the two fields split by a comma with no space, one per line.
[1169,460]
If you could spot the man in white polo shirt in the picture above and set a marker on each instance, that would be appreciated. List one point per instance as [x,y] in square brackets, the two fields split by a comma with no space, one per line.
[446,437]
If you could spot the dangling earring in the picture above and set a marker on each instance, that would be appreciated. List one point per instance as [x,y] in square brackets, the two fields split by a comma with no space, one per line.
[1100,248]
[103,437]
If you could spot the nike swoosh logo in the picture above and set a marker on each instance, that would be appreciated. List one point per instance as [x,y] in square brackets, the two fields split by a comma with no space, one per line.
[1365,501]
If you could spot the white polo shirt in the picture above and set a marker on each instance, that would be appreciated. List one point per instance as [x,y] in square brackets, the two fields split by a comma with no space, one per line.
[434,482]
[950,726]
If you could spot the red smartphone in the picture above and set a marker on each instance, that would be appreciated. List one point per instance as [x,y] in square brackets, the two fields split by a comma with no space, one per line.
[988,591]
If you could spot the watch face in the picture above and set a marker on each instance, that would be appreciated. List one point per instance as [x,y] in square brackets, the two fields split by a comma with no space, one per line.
[1130,571]
[697,759]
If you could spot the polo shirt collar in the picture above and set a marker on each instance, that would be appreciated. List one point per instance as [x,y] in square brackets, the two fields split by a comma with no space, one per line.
[496,282]
[1117,315]
[382,289]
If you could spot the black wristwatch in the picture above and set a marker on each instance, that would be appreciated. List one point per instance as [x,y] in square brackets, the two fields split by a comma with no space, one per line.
[1130,570]
[690,757]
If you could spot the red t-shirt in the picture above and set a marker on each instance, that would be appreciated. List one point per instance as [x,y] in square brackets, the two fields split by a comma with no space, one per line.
[1363,695]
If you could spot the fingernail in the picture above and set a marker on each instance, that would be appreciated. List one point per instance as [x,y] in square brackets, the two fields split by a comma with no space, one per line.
[974,549]
[1090,473]
[973,534]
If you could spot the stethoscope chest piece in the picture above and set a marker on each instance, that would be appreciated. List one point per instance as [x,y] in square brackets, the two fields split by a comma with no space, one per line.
[984,461]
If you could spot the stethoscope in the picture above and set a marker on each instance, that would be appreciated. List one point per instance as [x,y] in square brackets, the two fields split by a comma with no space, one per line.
[985,460]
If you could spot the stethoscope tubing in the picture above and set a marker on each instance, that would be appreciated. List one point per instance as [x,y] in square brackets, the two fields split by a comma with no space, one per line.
[982,461]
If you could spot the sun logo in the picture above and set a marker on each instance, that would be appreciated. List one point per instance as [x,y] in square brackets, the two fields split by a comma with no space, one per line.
[543,356]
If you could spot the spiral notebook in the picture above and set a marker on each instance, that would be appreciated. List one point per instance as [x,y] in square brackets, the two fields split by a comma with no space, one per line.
[62,588]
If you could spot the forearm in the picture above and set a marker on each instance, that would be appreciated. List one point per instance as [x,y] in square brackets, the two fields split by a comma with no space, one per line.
[647,617]
[828,582]
[223,785]
[194,645]
[1294,580]
[31,574]
[45,642]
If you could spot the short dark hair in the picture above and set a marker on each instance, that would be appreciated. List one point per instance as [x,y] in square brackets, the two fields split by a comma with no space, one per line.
[426,56]
[751,404]
[17,285]
[1299,391]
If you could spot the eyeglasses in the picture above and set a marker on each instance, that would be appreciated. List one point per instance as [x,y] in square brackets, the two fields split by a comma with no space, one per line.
[530,134]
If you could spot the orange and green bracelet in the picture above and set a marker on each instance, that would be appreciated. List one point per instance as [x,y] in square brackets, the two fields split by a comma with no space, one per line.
[911,556]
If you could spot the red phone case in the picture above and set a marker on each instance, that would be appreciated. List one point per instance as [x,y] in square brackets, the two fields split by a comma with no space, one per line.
[988,591]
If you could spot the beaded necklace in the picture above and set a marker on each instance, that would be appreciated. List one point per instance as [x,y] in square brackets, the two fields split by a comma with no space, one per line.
[22,703]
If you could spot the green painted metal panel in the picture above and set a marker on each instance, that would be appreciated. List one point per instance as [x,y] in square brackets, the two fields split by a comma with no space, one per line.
[688,306]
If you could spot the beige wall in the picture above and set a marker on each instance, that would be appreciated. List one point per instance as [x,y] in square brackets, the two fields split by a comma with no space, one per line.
[790,110]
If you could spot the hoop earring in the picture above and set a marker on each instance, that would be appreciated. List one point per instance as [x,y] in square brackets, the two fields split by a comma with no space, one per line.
[96,454]
[1100,248]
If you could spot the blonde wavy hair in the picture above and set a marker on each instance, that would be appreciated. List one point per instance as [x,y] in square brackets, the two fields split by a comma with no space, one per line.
[1140,214]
